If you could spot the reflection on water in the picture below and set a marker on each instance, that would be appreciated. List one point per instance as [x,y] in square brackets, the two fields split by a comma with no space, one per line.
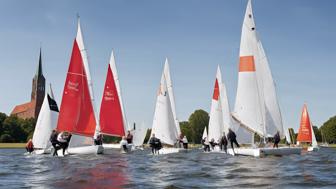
[194,169]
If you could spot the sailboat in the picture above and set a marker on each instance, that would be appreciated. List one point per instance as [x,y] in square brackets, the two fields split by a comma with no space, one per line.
[220,118]
[139,135]
[256,107]
[112,116]
[205,133]
[306,132]
[165,124]
[46,122]
[77,113]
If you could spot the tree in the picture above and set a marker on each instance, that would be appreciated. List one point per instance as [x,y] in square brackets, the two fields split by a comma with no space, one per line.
[12,127]
[197,121]
[3,116]
[186,130]
[317,134]
[6,138]
[329,130]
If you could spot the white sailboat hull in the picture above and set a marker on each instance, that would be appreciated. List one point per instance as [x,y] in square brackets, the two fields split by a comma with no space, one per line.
[171,150]
[42,151]
[117,147]
[261,152]
[312,149]
[83,150]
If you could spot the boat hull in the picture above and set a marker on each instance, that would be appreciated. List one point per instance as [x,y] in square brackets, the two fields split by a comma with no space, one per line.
[83,150]
[261,152]
[312,149]
[42,151]
[171,150]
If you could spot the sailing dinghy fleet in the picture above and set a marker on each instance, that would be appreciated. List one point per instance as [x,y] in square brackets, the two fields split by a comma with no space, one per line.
[256,109]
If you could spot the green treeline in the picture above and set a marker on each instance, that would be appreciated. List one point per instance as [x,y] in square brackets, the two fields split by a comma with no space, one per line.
[14,129]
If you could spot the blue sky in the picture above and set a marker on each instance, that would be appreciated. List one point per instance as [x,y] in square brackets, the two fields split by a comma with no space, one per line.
[196,36]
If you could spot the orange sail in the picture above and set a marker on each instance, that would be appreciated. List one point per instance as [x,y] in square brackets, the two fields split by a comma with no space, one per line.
[305,131]
[76,113]
[111,117]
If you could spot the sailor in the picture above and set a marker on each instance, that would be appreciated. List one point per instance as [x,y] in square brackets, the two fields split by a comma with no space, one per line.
[129,137]
[180,141]
[54,142]
[98,140]
[276,140]
[224,143]
[64,138]
[30,146]
[155,144]
[124,144]
[231,136]
[185,142]
[213,144]
[206,144]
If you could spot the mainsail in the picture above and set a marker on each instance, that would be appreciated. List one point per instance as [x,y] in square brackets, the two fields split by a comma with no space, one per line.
[256,107]
[112,121]
[77,113]
[164,125]
[46,121]
[205,134]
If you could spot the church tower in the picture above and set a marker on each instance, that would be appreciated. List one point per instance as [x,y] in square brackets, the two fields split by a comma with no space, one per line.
[38,88]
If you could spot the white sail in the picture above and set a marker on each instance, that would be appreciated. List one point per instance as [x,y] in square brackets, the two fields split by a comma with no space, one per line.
[272,114]
[139,135]
[247,110]
[216,124]
[314,142]
[77,140]
[116,81]
[171,95]
[205,134]
[46,122]
[288,138]
[256,106]
[164,126]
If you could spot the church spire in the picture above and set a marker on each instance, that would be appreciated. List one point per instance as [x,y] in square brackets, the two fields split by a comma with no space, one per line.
[39,67]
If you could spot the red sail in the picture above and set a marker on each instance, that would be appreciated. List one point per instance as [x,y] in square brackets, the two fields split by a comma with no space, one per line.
[76,113]
[216,91]
[111,117]
[305,132]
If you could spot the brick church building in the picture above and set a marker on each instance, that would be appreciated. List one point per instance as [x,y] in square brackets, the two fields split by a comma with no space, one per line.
[32,109]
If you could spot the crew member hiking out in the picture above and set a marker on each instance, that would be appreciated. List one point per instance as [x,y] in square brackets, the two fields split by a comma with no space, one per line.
[232,138]
[155,144]
[276,140]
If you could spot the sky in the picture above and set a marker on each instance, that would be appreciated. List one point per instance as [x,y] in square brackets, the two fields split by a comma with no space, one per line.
[196,36]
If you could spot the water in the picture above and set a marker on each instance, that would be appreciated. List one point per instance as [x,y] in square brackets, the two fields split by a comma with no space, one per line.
[194,169]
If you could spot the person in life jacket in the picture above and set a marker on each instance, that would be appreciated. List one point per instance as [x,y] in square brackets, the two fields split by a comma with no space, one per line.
[155,144]
[64,139]
[185,142]
[30,146]
[54,141]
[98,140]
[276,140]
[223,143]
[206,144]
[231,136]
[129,137]
[124,144]
[213,144]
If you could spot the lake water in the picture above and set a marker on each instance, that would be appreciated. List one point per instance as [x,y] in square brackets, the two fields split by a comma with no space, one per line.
[193,169]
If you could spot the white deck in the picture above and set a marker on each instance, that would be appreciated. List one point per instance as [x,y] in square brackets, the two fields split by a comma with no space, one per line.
[261,152]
